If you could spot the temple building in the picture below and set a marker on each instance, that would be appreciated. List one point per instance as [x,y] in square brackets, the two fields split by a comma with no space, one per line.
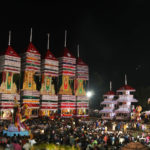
[108,111]
[49,99]
[81,85]
[10,64]
[125,101]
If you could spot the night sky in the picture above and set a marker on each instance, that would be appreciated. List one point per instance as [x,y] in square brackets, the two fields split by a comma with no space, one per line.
[114,37]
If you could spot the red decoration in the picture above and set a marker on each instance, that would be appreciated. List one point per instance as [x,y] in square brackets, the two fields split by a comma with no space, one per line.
[49,55]
[81,62]
[126,87]
[32,49]
[9,51]
[110,93]
[66,53]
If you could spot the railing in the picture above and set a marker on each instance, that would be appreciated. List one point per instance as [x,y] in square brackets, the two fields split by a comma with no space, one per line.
[126,96]
[124,106]
[108,107]
[122,117]
[107,117]
[108,99]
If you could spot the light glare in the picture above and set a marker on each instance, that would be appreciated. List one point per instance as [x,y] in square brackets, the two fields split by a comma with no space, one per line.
[89,93]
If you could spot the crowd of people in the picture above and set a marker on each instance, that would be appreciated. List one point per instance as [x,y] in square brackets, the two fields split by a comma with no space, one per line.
[83,134]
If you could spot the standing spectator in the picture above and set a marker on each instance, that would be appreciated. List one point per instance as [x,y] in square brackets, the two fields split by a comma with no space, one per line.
[17,145]
[105,139]
[27,146]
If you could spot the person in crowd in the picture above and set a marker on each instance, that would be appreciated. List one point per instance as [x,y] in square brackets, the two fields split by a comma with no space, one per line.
[87,135]
[26,146]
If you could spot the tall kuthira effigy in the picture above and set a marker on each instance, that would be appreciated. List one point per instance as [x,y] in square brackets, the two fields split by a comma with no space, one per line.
[66,97]
[49,69]
[31,69]
[81,85]
[10,64]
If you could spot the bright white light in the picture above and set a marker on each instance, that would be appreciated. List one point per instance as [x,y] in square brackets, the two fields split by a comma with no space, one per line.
[89,93]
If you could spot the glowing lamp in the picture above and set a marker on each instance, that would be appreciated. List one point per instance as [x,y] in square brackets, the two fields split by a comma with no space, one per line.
[89,94]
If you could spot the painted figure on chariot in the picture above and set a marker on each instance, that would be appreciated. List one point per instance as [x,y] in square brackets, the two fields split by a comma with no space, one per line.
[8,86]
[80,91]
[65,86]
[29,83]
[47,86]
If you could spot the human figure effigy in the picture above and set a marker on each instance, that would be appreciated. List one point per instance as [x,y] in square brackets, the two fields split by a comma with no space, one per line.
[19,121]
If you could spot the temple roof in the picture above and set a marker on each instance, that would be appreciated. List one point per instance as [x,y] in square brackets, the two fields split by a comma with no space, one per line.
[110,93]
[49,55]
[126,88]
[66,53]
[81,62]
[11,52]
[31,49]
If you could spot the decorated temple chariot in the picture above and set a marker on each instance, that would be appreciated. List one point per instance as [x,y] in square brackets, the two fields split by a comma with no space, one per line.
[43,86]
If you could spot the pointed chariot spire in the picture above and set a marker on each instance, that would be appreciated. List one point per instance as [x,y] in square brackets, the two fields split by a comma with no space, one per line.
[110,86]
[65,43]
[9,38]
[78,51]
[126,79]
[48,35]
[31,35]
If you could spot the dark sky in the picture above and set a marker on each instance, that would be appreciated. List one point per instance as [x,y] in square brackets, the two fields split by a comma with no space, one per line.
[114,37]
